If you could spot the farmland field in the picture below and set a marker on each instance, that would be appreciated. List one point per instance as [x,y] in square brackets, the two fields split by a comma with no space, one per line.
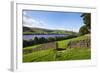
[55,55]
[52,55]
[44,55]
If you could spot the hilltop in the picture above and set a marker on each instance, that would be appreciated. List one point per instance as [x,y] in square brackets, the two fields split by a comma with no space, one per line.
[31,30]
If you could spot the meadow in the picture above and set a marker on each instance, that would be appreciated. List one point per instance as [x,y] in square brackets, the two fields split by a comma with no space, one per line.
[58,55]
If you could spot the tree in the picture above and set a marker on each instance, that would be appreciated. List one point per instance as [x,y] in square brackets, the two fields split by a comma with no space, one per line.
[36,40]
[42,40]
[87,20]
[83,30]
[25,43]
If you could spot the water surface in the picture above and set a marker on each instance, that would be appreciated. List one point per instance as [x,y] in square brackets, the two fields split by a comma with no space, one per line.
[28,37]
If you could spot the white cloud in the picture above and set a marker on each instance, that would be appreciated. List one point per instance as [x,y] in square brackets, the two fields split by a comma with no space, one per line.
[25,13]
[66,28]
[30,22]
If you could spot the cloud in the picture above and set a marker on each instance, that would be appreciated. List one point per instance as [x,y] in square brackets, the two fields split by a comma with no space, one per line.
[30,22]
[66,28]
[24,13]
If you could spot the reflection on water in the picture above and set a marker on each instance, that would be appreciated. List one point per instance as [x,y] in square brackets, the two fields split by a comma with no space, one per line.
[28,37]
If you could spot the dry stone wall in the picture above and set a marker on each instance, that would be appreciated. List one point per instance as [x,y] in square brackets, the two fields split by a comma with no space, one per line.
[51,45]
[86,43]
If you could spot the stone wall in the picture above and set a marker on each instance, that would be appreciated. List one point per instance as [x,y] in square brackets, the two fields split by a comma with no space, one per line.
[86,43]
[51,45]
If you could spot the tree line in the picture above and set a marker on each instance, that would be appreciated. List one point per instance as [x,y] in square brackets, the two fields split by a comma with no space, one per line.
[42,40]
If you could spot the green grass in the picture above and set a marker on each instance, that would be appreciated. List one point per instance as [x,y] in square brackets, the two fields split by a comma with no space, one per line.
[30,47]
[43,55]
[27,49]
[63,44]
[74,54]
[54,55]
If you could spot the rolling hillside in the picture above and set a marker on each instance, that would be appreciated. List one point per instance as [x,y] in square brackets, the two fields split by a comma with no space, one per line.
[28,30]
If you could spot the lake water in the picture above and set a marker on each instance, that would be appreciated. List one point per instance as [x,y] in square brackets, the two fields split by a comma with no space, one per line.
[28,37]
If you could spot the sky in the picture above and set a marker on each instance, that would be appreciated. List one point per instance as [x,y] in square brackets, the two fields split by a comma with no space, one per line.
[52,20]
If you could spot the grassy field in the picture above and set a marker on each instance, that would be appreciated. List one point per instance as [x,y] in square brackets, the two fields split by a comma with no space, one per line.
[43,55]
[74,54]
[54,55]
[63,44]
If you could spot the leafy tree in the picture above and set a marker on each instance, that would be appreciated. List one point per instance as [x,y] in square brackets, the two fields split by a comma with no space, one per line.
[25,43]
[87,20]
[83,30]
[42,40]
[36,40]
[28,43]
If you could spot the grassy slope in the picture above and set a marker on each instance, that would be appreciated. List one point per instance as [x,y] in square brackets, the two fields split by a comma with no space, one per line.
[43,55]
[63,44]
[30,47]
[52,55]
[27,30]
[75,54]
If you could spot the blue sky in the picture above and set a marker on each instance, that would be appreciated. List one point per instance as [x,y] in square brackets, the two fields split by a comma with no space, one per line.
[53,20]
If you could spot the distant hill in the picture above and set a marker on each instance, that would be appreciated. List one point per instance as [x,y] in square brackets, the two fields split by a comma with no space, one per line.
[30,30]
